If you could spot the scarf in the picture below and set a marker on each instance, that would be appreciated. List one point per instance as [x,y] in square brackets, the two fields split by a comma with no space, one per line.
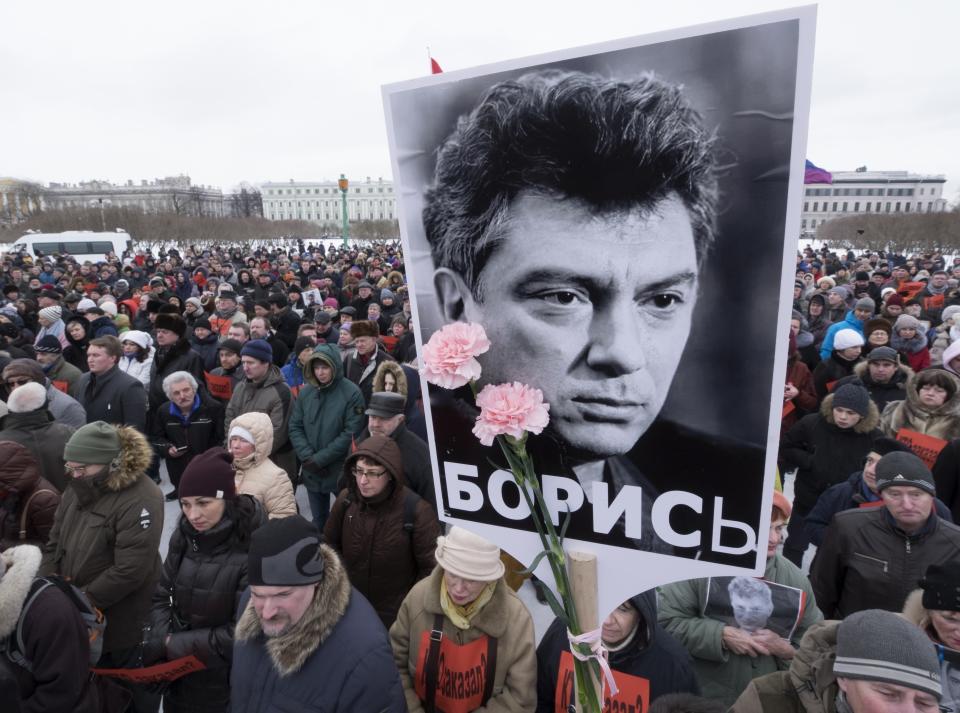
[911,346]
[461,615]
[226,313]
[58,330]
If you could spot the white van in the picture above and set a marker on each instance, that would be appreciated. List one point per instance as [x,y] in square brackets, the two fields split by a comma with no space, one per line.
[82,245]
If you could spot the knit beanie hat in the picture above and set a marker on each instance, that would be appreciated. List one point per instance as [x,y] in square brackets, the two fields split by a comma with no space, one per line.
[85,304]
[866,303]
[884,444]
[241,432]
[48,344]
[95,443]
[303,343]
[464,554]
[110,308]
[838,291]
[141,339]
[861,276]
[209,475]
[895,300]
[877,645]
[941,586]
[231,345]
[386,294]
[203,323]
[258,349]
[904,469]
[27,398]
[285,552]
[195,301]
[906,321]
[883,354]
[51,314]
[854,397]
[846,338]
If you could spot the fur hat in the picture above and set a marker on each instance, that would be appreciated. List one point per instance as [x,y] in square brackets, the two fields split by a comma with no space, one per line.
[464,554]
[847,338]
[872,325]
[906,321]
[364,328]
[27,368]
[171,322]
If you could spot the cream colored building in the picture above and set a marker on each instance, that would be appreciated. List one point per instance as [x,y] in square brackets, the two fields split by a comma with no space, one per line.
[870,192]
[173,194]
[320,201]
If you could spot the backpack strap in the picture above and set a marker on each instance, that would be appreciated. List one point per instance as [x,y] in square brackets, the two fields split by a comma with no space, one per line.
[491,671]
[410,501]
[26,507]
[432,664]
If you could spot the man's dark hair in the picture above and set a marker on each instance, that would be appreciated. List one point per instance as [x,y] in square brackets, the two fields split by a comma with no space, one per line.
[615,145]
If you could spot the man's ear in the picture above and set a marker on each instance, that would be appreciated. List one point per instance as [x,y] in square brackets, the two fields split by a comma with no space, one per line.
[453,294]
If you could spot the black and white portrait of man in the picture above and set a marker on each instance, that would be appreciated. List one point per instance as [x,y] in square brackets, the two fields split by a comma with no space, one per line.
[754,604]
[592,214]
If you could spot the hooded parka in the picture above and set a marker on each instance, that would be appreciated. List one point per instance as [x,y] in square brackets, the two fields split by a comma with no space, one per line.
[382,558]
[29,499]
[259,476]
[44,437]
[651,655]
[940,422]
[106,539]
[325,419]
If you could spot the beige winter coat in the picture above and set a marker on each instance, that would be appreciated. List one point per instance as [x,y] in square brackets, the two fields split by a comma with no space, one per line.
[259,476]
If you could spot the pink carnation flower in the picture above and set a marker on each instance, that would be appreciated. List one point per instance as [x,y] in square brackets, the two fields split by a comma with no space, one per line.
[449,358]
[510,410]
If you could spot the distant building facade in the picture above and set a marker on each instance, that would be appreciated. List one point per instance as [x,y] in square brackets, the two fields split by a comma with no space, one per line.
[870,192]
[321,201]
[173,194]
[19,200]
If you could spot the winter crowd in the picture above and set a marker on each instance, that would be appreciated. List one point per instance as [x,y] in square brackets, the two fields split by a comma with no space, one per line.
[249,376]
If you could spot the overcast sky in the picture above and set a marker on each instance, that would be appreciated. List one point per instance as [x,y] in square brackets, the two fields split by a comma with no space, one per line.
[234,91]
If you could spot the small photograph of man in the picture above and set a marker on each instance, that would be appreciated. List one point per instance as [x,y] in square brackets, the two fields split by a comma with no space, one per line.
[752,604]
[587,213]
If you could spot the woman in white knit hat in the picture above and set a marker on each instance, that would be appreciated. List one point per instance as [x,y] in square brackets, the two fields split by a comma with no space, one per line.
[466,615]
[51,322]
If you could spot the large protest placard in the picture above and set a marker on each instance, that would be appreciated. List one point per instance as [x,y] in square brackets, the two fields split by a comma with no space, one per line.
[622,220]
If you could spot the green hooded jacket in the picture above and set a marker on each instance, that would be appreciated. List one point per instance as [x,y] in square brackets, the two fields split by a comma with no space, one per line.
[325,420]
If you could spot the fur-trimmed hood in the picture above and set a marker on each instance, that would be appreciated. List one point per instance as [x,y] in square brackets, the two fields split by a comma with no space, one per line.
[134,459]
[950,408]
[399,378]
[22,563]
[865,425]
[290,651]
[902,375]
[914,611]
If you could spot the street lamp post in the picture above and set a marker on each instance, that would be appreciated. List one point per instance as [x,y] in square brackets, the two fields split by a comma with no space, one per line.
[344,184]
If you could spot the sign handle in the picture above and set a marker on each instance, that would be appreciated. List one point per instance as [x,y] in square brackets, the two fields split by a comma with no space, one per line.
[583,585]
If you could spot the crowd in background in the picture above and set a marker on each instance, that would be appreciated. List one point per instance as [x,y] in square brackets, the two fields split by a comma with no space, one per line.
[250,375]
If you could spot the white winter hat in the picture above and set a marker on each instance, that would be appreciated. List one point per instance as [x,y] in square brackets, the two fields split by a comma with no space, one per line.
[141,339]
[27,398]
[464,554]
[110,308]
[846,338]
[51,313]
[241,432]
[85,304]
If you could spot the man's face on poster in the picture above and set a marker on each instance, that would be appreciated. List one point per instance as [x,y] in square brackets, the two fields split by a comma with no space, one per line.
[751,612]
[594,309]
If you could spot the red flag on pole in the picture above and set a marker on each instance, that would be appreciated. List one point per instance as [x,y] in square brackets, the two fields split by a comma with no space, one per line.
[434,67]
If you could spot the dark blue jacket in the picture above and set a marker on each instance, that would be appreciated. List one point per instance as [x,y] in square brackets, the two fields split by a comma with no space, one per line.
[337,658]
[847,496]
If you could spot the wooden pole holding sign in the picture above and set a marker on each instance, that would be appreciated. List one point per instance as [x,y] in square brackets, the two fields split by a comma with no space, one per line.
[583,585]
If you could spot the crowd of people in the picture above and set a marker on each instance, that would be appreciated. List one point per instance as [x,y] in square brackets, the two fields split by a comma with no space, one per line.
[247,376]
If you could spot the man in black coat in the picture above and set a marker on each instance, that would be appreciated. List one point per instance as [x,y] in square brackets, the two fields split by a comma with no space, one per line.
[173,354]
[260,328]
[284,319]
[108,394]
[189,423]
[386,414]
[884,376]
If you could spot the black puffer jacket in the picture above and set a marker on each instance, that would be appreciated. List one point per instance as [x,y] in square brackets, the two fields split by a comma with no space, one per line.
[824,453]
[196,602]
